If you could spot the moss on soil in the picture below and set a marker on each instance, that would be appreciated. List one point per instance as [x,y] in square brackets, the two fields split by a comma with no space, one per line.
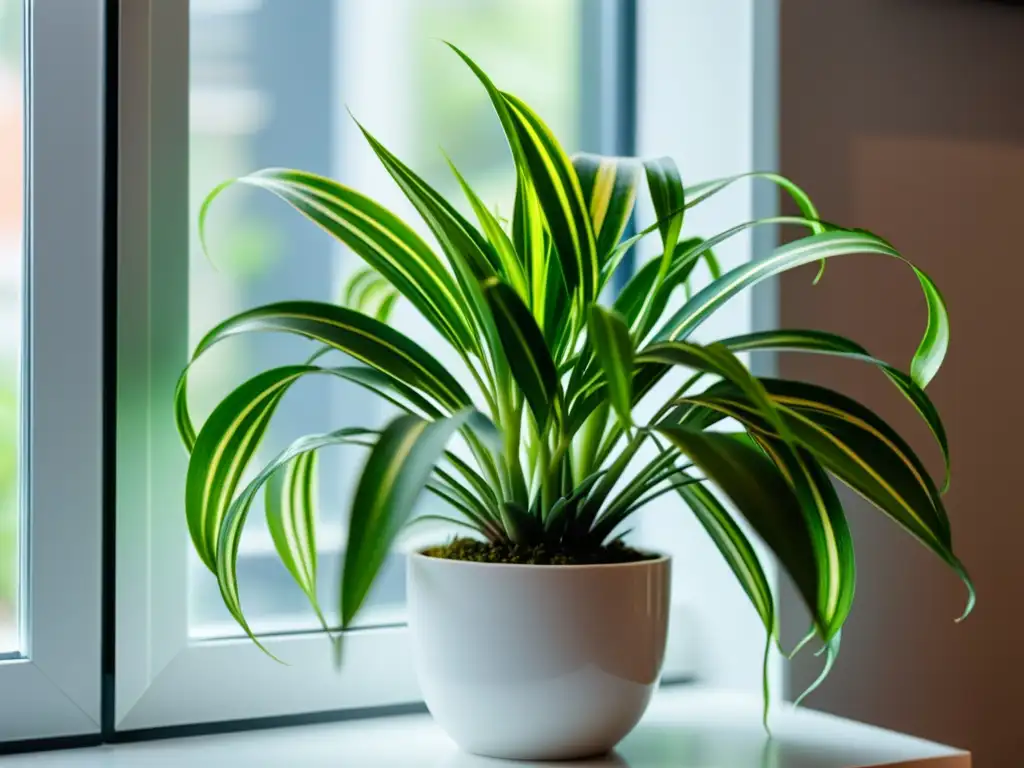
[539,554]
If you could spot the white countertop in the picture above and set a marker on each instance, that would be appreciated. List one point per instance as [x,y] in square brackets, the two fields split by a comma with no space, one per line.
[686,727]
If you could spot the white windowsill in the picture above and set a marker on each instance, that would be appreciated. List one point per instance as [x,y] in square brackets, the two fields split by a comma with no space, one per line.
[686,726]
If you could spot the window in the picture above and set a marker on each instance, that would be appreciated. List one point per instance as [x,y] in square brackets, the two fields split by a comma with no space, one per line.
[268,83]
[12,122]
[205,90]
[261,98]
[51,362]
[235,85]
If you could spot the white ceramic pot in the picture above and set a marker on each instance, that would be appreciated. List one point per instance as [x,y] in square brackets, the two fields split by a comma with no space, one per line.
[537,662]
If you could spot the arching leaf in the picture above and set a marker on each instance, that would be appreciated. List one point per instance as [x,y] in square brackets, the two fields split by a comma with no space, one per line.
[368,340]
[613,348]
[859,449]
[761,494]
[524,346]
[561,199]
[396,472]
[932,348]
[609,186]
[232,523]
[799,340]
[379,237]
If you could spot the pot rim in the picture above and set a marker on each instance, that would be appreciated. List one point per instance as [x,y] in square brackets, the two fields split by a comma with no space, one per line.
[659,560]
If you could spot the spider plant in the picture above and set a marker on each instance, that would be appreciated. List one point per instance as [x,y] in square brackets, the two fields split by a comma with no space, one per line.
[551,433]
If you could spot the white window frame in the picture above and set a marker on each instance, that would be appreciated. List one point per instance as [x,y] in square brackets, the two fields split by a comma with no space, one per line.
[54,688]
[162,677]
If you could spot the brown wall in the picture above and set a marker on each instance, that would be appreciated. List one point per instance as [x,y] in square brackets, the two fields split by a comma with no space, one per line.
[907,117]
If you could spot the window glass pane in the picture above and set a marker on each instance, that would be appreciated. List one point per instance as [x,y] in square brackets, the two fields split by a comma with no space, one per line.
[11,127]
[270,84]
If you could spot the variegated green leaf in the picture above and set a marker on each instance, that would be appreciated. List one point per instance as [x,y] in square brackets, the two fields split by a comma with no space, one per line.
[379,237]
[527,353]
[223,449]
[614,350]
[528,223]
[458,238]
[366,339]
[698,193]
[734,546]
[510,268]
[396,472]
[667,196]
[530,241]
[291,520]
[858,448]
[714,360]
[229,534]
[639,292]
[561,199]
[761,494]
[609,186]
[643,284]
[641,490]
[826,522]
[932,348]
[797,340]
[463,502]
[471,257]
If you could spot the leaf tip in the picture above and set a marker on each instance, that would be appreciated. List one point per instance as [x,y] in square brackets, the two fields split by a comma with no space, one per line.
[821,273]
[336,654]
[971,600]
[966,579]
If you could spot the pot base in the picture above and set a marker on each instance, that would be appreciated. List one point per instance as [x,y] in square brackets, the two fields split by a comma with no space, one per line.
[559,757]
[534,662]
[571,717]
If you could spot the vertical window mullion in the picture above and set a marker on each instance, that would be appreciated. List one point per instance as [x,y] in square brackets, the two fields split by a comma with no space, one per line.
[609,86]
[54,688]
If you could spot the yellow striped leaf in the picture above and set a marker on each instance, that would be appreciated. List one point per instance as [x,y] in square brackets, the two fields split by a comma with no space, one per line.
[299,548]
[510,268]
[613,347]
[379,237]
[761,494]
[859,449]
[528,357]
[932,348]
[561,199]
[800,340]
[609,186]
[395,474]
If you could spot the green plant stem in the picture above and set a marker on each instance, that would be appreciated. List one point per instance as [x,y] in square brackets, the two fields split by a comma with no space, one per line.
[511,418]
[532,451]
[483,459]
[478,521]
[557,457]
[610,478]
[547,484]
[611,439]
[487,392]
[645,479]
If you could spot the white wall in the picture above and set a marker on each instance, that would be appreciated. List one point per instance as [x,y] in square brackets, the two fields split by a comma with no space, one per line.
[921,137]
